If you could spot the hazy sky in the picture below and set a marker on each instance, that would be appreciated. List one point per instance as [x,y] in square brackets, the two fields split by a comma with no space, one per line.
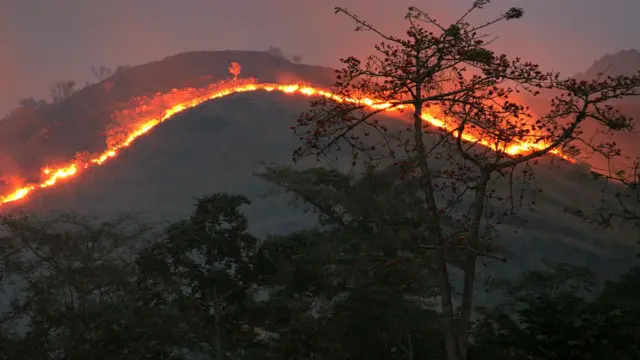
[42,41]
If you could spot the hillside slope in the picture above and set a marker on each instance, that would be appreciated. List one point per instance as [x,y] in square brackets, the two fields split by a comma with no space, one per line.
[32,138]
[218,146]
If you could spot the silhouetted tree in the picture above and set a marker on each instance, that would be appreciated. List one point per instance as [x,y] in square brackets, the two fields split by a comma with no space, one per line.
[363,267]
[101,72]
[275,51]
[70,282]
[448,70]
[205,269]
[547,316]
[354,287]
[62,90]
[297,59]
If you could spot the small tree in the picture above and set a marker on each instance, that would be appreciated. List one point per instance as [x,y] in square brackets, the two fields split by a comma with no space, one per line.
[234,70]
[275,51]
[448,70]
[62,90]
[101,72]
[527,326]
[363,276]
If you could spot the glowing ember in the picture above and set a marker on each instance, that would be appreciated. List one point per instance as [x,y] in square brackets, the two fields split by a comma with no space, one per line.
[163,106]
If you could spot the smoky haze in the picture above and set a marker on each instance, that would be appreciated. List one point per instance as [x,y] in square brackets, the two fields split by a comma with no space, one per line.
[42,41]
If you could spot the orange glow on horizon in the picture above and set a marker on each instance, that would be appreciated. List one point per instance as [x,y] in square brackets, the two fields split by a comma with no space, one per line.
[163,106]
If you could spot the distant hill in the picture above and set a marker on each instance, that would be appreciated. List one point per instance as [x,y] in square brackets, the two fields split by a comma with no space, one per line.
[32,138]
[218,145]
[626,62]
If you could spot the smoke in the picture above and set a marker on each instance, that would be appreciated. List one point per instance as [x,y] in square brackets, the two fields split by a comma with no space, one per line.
[9,173]
[8,166]
[42,42]
[289,78]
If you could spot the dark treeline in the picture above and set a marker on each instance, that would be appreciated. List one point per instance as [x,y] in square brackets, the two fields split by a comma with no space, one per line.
[350,288]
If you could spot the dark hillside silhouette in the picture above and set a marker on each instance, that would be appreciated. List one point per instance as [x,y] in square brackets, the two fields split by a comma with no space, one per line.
[625,62]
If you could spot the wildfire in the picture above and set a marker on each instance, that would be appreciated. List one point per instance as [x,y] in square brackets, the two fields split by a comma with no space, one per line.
[163,106]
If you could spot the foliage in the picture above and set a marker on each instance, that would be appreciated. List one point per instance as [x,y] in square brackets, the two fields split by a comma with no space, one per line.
[70,283]
[206,288]
[559,323]
[343,286]
[449,72]
[617,208]
[205,270]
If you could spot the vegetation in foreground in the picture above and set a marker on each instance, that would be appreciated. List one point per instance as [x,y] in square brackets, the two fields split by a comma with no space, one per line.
[205,288]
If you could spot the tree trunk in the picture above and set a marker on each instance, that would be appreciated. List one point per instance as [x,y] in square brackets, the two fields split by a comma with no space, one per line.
[470,266]
[216,316]
[434,230]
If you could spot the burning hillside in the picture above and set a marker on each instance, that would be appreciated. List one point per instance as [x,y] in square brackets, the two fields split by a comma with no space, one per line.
[54,133]
[150,111]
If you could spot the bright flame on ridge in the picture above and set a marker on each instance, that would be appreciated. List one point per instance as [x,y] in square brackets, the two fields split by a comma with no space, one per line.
[192,97]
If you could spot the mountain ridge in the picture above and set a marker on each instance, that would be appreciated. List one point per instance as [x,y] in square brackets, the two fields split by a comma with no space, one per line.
[33,138]
[220,144]
[624,62]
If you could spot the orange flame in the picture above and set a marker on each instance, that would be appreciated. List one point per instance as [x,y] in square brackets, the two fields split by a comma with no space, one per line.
[234,70]
[163,106]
